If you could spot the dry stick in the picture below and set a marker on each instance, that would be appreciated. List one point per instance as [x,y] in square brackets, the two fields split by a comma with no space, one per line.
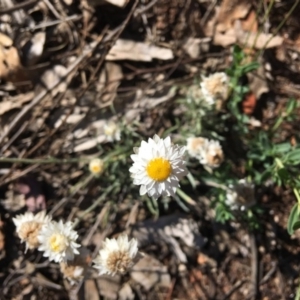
[53,23]
[63,201]
[42,94]
[23,5]
[118,31]
[143,9]
[53,10]
[19,175]
[208,12]
[236,286]
[254,265]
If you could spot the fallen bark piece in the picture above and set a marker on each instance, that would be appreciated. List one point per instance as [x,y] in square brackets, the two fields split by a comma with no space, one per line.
[10,63]
[15,102]
[137,51]
[150,272]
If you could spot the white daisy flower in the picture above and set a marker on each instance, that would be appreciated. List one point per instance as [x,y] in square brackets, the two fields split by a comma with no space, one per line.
[28,227]
[58,241]
[241,195]
[117,255]
[209,152]
[96,166]
[158,166]
[215,87]
[112,131]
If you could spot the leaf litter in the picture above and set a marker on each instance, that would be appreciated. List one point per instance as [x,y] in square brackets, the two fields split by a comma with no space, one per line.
[66,69]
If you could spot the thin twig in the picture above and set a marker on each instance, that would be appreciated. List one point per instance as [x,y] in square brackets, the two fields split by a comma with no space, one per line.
[53,23]
[254,265]
[23,5]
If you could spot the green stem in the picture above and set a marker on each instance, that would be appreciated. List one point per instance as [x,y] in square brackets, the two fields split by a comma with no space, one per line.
[152,206]
[297,195]
[185,197]
[49,160]
[280,25]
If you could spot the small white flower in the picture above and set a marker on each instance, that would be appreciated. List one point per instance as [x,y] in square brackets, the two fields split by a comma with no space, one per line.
[96,166]
[215,87]
[117,255]
[58,241]
[209,152]
[28,227]
[158,167]
[241,195]
[112,131]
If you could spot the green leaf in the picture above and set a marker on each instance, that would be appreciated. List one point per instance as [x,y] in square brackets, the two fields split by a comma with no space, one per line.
[283,174]
[293,219]
[296,225]
[250,67]
[282,148]
[291,105]
[294,156]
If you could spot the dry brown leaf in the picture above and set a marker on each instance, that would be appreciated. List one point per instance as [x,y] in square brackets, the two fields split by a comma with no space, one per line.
[15,102]
[150,272]
[57,73]
[258,82]
[225,39]
[126,293]
[90,290]
[250,22]
[109,286]
[10,63]
[251,39]
[230,11]
[195,46]
[137,51]
[109,81]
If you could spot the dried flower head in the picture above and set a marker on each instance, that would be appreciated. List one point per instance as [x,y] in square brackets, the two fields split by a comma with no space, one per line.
[58,241]
[112,131]
[117,255]
[96,166]
[215,87]
[240,196]
[72,272]
[28,227]
[158,167]
[209,152]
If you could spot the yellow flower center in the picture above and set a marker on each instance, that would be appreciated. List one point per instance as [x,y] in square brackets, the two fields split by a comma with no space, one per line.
[96,169]
[110,130]
[96,166]
[159,169]
[58,242]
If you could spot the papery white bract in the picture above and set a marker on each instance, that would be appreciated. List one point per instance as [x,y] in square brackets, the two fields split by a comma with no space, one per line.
[241,195]
[28,227]
[158,167]
[215,87]
[116,256]
[209,152]
[72,272]
[112,131]
[58,241]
